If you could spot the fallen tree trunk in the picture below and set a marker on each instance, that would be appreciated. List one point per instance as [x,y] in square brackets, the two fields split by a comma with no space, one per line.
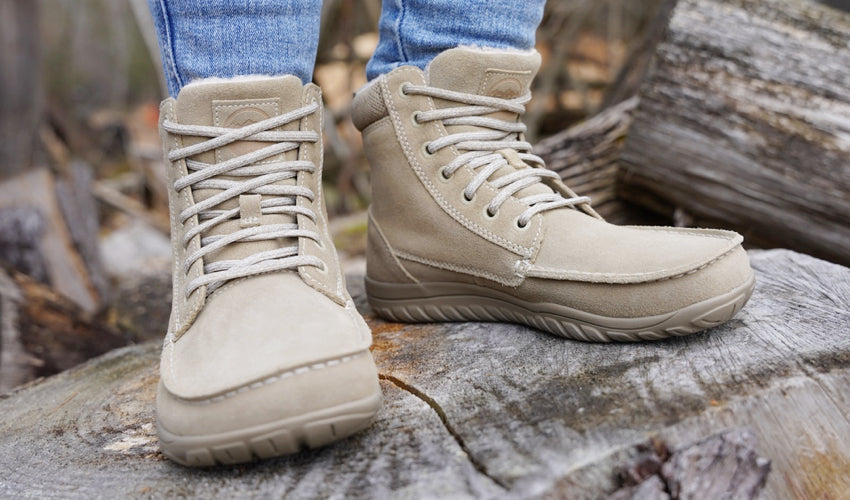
[586,157]
[744,121]
[492,410]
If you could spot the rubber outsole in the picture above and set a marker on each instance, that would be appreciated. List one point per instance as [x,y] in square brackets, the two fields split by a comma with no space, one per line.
[442,302]
[284,437]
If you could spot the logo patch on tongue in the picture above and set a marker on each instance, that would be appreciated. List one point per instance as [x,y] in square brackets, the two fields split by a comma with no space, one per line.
[245,116]
[505,84]
[238,114]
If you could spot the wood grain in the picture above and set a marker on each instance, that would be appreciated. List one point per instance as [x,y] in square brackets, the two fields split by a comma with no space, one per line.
[744,122]
[44,333]
[587,155]
[484,410]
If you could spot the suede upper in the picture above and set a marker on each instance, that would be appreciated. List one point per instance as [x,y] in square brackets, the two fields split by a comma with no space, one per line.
[262,326]
[423,229]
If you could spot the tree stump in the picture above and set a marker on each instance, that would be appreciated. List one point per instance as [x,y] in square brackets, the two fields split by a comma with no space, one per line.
[492,410]
[744,122]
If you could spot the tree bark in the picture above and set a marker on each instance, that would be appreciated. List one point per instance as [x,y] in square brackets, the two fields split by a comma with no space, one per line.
[586,157]
[744,122]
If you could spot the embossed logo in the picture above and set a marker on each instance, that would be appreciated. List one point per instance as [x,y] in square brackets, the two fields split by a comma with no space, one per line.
[238,114]
[506,88]
[245,116]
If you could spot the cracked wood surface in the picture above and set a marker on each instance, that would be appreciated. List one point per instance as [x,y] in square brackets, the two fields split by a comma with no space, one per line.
[498,411]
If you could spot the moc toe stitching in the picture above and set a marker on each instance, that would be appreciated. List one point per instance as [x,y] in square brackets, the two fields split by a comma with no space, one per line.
[300,370]
[536,272]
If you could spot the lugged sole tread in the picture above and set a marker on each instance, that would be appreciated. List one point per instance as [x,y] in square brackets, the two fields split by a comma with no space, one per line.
[284,438]
[432,309]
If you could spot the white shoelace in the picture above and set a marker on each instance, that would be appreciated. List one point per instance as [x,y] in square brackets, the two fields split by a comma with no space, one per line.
[488,150]
[259,179]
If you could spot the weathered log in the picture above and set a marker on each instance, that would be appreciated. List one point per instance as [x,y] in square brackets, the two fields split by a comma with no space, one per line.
[502,411]
[586,157]
[724,465]
[744,121]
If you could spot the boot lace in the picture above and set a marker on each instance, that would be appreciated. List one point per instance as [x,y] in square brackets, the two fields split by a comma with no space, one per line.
[486,151]
[251,178]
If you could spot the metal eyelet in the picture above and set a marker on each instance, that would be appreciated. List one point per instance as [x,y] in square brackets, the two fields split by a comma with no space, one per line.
[519,227]
[488,215]
[467,200]
[425,152]
[403,89]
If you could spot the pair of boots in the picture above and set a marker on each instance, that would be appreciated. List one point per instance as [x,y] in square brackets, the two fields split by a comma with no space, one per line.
[266,353]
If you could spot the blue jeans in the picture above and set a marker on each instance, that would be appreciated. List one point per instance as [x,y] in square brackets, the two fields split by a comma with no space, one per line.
[226,38]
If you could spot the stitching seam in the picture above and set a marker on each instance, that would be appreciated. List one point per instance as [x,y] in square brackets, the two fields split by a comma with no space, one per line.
[444,204]
[273,102]
[166,21]
[389,249]
[462,269]
[533,274]
[275,378]
[304,271]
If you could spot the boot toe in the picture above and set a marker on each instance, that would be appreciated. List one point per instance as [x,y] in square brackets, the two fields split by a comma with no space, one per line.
[306,407]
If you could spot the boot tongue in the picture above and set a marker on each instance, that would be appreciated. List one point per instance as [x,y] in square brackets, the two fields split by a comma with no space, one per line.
[488,72]
[235,104]
[495,73]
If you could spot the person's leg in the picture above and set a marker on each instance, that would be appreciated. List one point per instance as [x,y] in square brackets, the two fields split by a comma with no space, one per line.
[226,38]
[413,32]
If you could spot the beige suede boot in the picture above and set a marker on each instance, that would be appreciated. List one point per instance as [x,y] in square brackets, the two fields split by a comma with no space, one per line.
[467,225]
[265,352]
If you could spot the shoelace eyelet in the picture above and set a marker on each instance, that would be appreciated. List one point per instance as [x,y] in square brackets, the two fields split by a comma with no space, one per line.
[414,118]
[489,215]
[444,173]
[521,227]
[467,199]
[426,153]
[403,89]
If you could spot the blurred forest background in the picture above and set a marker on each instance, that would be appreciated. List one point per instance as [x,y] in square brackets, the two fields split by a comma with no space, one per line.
[103,84]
